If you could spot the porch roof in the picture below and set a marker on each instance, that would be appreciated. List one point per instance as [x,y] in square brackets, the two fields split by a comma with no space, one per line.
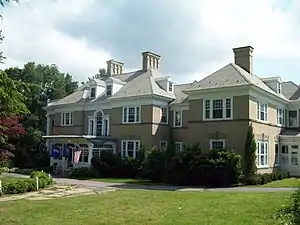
[290,133]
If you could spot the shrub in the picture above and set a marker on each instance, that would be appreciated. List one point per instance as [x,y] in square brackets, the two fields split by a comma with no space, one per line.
[250,168]
[28,184]
[261,179]
[26,171]
[4,170]
[81,172]
[290,214]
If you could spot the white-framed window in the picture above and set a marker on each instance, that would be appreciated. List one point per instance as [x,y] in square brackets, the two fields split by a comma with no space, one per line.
[292,118]
[262,154]
[164,115]
[178,146]
[280,116]
[279,88]
[130,148]
[170,86]
[284,154]
[132,114]
[100,147]
[277,156]
[66,118]
[216,143]
[217,109]
[262,111]
[91,126]
[109,89]
[93,92]
[84,156]
[177,118]
[163,145]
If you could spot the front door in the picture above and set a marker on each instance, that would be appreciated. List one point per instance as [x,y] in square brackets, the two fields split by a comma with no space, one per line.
[294,160]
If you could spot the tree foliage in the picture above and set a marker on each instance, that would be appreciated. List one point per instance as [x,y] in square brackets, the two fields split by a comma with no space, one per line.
[250,168]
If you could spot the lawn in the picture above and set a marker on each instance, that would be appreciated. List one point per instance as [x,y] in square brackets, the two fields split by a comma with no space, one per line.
[289,183]
[6,179]
[147,207]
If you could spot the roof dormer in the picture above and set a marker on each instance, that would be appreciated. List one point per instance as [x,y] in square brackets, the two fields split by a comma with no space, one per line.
[275,83]
[95,88]
[166,83]
[113,85]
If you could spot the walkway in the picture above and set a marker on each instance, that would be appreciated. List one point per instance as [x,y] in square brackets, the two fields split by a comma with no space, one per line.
[97,184]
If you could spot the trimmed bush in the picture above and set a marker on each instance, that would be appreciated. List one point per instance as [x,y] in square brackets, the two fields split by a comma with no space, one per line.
[81,172]
[261,179]
[28,184]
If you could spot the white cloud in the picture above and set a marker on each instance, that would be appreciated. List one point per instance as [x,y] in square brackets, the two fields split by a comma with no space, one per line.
[32,35]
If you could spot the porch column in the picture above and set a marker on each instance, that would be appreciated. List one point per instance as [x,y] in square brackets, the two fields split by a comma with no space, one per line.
[91,146]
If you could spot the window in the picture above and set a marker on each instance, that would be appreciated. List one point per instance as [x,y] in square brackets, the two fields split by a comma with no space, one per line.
[279,88]
[164,115]
[284,156]
[84,156]
[163,145]
[108,90]
[66,119]
[277,154]
[100,147]
[131,114]
[218,109]
[262,154]
[102,124]
[262,111]
[280,117]
[178,146]
[217,144]
[91,126]
[93,92]
[292,118]
[177,118]
[130,149]
[99,124]
[294,158]
[170,86]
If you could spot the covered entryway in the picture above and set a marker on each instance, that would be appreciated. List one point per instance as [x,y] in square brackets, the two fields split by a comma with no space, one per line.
[290,154]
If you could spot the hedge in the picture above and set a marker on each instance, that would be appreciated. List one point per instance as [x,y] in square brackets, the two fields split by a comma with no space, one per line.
[27,184]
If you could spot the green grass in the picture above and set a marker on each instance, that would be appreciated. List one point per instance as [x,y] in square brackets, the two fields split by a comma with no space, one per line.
[147,207]
[286,183]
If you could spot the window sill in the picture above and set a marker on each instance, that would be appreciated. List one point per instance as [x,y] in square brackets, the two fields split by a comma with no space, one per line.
[131,122]
[177,126]
[217,119]
[263,167]
[69,125]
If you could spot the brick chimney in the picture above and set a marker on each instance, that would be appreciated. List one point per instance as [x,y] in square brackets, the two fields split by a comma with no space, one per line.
[150,60]
[114,67]
[243,58]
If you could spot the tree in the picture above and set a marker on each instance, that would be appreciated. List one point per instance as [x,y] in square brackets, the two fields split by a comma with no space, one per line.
[13,132]
[250,168]
[102,74]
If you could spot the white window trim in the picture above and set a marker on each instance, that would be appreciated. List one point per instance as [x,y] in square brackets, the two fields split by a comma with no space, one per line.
[174,118]
[63,119]
[167,110]
[126,150]
[223,108]
[110,90]
[91,92]
[163,142]
[179,143]
[219,140]
[283,117]
[169,83]
[288,118]
[135,114]
[258,155]
[279,88]
[90,131]
[258,110]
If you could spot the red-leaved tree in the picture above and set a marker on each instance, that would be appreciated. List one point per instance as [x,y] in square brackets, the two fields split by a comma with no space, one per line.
[13,130]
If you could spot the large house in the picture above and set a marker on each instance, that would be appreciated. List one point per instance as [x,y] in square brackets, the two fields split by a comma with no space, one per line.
[127,110]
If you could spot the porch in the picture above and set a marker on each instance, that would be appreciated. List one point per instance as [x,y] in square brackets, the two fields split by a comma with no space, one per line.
[65,145]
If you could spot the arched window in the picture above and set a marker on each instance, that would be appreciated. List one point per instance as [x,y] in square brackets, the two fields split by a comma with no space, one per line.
[99,118]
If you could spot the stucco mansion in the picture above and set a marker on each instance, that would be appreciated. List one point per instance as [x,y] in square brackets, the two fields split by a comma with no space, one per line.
[125,110]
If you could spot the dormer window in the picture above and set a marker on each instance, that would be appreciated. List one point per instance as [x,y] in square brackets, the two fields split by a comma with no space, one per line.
[279,88]
[170,86]
[108,90]
[93,92]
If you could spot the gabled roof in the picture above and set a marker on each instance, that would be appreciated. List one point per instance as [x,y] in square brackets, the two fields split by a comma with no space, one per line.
[179,89]
[291,90]
[231,75]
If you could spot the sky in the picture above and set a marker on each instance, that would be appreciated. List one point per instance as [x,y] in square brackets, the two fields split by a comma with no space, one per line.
[195,38]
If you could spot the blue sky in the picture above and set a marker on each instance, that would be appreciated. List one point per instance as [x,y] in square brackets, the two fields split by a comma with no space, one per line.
[194,38]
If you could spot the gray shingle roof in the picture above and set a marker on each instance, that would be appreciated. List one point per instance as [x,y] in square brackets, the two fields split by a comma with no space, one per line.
[181,97]
[232,75]
[290,90]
